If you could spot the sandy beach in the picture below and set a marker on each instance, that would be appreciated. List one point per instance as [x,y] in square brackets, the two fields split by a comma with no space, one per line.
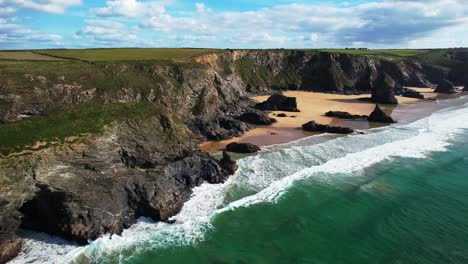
[313,106]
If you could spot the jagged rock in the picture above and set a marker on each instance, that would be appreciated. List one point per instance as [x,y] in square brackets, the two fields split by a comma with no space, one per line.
[228,163]
[242,148]
[344,115]
[278,102]
[256,117]
[282,115]
[410,93]
[446,87]
[465,89]
[379,116]
[217,128]
[384,90]
[312,126]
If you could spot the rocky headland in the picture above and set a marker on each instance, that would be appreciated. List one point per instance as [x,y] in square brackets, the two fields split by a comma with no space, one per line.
[142,157]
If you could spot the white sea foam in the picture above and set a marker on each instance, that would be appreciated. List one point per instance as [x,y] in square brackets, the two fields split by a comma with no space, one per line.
[264,178]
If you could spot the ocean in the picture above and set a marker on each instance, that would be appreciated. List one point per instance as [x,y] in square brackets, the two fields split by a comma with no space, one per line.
[396,194]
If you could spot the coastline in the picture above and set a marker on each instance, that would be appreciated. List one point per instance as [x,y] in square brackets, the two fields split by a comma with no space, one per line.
[313,106]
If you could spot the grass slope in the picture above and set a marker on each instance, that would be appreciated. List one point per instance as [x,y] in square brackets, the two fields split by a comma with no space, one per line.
[60,125]
[128,54]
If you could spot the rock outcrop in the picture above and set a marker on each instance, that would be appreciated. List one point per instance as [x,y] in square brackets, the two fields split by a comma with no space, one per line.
[242,148]
[228,163]
[410,93]
[379,116]
[256,117]
[218,128]
[312,126]
[278,102]
[446,87]
[344,115]
[384,91]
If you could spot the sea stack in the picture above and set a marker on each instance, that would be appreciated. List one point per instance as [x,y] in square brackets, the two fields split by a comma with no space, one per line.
[384,90]
[242,148]
[446,87]
[278,102]
[228,163]
[379,116]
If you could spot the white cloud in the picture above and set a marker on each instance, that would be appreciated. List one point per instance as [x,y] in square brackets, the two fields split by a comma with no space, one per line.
[131,8]
[106,32]
[48,6]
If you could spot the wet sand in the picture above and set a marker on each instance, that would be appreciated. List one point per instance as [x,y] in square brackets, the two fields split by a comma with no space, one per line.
[313,106]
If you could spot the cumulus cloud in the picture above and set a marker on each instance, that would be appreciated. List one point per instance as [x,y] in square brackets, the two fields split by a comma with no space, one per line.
[106,32]
[14,35]
[378,22]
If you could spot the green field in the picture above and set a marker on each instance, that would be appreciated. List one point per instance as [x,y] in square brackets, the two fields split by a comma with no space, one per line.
[128,54]
[25,56]
[60,125]
[389,54]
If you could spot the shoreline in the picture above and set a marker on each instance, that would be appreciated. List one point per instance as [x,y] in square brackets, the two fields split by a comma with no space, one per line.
[313,106]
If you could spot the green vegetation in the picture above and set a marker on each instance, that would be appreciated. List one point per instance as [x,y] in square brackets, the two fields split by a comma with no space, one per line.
[128,54]
[60,125]
[390,54]
[25,56]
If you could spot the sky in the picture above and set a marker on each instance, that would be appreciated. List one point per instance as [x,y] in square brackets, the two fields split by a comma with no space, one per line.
[38,24]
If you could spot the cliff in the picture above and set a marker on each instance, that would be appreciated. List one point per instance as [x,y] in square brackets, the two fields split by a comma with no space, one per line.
[86,148]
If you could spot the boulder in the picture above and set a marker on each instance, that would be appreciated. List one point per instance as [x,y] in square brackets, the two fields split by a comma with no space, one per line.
[256,117]
[278,102]
[228,163]
[312,126]
[242,148]
[343,115]
[379,116]
[410,93]
[446,87]
[384,90]
[282,115]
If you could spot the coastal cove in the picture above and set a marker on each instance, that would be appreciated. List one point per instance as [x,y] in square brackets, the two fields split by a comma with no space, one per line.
[106,159]
[313,106]
[324,190]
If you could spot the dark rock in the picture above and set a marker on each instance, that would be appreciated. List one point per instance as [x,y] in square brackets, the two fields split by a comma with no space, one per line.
[218,128]
[344,115]
[384,90]
[446,87]
[228,163]
[410,93]
[256,117]
[242,148]
[379,116]
[465,89]
[278,102]
[312,126]
[282,115]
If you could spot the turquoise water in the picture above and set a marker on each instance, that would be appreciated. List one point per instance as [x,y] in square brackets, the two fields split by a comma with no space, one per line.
[405,211]
[393,195]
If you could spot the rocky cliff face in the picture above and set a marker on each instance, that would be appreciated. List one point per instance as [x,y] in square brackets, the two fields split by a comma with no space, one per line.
[147,165]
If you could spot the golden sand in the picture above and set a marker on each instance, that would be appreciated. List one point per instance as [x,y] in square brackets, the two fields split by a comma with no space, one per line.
[313,106]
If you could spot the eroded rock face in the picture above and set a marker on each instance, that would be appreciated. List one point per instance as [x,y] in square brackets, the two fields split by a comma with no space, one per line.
[379,116]
[446,87]
[217,127]
[80,191]
[279,102]
[384,90]
[242,148]
[312,126]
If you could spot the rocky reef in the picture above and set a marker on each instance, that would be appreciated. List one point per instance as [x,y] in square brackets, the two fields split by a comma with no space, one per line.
[312,126]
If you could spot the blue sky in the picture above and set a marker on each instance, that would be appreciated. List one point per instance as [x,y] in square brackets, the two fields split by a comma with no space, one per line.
[233,24]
